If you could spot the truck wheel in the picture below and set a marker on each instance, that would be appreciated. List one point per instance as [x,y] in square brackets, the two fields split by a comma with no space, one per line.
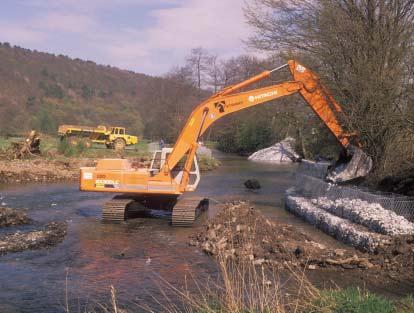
[119,144]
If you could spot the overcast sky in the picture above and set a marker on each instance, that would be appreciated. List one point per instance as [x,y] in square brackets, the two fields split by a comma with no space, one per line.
[147,36]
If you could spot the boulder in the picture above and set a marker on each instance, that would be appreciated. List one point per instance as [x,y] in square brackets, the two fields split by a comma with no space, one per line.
[252,184]
[281,152]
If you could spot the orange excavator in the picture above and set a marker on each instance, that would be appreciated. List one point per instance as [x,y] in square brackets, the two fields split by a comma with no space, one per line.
[174,171]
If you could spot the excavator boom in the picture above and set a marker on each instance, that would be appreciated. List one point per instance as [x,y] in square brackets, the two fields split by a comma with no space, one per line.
[305,82]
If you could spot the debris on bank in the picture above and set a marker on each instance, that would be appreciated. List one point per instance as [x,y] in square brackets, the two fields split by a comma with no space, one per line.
[242,233]
[281,152]
[45,236]
[29,147]
[13,217]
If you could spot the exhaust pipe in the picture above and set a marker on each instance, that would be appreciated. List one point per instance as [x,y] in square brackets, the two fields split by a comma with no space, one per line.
[355,165]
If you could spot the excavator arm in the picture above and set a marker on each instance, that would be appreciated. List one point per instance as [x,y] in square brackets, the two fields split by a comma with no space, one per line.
[165,182]
[227,101]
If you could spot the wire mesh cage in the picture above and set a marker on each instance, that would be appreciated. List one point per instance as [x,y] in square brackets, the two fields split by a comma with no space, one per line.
[309,183]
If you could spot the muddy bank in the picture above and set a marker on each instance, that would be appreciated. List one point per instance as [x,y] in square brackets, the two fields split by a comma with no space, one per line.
[241,232]
[41,170]
[41,237]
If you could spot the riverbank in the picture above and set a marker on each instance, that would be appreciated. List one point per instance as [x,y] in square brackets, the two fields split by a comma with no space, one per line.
[41,170]
[241,233]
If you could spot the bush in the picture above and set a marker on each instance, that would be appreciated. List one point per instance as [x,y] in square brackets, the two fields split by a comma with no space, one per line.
[207,163]
[225,141]
[248,137]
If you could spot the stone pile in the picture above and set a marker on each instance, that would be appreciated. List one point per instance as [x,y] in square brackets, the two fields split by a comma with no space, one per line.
[281,152]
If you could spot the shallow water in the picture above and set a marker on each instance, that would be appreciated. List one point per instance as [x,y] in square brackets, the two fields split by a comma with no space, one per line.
[139,257]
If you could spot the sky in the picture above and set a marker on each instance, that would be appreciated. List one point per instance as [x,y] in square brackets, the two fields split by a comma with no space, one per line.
[146,36]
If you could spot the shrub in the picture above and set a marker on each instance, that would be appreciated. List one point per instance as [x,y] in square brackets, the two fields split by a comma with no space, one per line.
[207,163]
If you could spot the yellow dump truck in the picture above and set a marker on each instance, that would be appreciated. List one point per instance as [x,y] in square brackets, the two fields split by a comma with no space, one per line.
[113,137]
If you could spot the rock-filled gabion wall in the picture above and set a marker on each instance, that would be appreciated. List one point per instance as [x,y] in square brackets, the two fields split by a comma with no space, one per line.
[361,237]
[371,215]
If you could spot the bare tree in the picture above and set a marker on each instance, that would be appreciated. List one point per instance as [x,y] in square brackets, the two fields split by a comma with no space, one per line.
[363,48]
[214,73]
[197,62]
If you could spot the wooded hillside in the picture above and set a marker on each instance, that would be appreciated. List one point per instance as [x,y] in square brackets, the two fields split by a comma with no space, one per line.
[42,90]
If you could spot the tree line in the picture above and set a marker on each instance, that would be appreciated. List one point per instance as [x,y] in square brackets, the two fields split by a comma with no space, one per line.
[363,51]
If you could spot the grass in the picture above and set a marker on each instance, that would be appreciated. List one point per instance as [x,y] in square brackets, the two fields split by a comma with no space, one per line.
[351,300]
[244,288]
[5,142]
[405,305]
[241,288]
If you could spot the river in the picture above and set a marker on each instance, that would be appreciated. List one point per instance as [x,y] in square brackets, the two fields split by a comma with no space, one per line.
[138,257]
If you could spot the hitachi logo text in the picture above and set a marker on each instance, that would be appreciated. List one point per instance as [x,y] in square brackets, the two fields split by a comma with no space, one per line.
[263,95]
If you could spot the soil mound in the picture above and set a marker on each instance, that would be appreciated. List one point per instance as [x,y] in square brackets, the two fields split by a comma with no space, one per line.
[50,235]
[242,233]
[12,217]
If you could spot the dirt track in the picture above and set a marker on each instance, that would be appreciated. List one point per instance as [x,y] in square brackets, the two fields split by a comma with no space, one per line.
[242,233]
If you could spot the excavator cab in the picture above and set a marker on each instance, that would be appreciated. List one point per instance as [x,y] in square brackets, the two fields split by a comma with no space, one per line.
[158,161]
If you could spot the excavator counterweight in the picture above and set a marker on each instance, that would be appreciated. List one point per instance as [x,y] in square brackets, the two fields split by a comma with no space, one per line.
[174,171]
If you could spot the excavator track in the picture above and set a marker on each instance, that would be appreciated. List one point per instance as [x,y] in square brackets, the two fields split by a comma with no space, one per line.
[186,211]
[114,210]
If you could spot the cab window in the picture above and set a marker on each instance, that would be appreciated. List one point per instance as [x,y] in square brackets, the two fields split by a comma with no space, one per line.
[122,131]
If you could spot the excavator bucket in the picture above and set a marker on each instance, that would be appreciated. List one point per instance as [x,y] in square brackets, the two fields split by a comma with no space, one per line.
[358,164]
